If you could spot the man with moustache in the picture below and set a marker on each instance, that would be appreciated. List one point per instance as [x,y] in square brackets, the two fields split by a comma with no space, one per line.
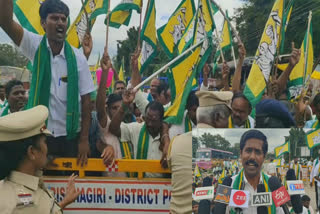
[16,97]
[253,150]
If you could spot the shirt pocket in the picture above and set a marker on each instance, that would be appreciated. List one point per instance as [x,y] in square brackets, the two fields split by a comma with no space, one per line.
[62,88]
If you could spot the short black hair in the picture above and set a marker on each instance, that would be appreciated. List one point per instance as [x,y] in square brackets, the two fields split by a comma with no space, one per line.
[119,82]
[241,95]
[316,99]
[156,106]
[305,198]
[256,134]
[53,6]
[11,84]
[112,98]
[163,87]
[192,100]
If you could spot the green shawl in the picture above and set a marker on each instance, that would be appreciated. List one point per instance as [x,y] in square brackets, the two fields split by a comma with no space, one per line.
[41,81]
[143,144]
[237,185]
[5,110]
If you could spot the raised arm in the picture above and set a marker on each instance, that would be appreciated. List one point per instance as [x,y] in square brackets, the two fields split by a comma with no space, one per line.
[127,99]
[101,96]
[294,59]
[87,45]
[236,82]
[225,76]
[12,28]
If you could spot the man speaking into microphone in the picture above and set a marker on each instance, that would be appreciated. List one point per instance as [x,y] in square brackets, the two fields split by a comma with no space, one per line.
[253,150]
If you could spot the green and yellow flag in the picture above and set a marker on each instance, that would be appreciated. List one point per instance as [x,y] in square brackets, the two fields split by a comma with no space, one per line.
[196,171]
[181,76]
[301,71]
[187,38]
[282,149]
[265,55]
[313,138]
[170,34]
[286,19]
[316,74]
[27,12]
[149,38]
[277,162]
[121,71]
[204,28]
[226,37]
[121,14]
[79,27]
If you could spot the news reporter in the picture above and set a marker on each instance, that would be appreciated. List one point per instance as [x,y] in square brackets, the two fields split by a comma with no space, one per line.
[253,150]
[23,153]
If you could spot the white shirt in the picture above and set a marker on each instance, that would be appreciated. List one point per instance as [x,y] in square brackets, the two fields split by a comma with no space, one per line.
[251,121]
[248,187]
[58,88]
[178,129]
[131,132]
[315,171]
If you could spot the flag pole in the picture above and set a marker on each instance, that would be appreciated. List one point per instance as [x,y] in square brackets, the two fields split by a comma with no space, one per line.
[108,21]
[221,53]
[234,57]
[307,48]
[232,27]
[164,68]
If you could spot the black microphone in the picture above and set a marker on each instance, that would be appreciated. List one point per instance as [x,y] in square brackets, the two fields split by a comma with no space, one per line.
[274,184]
[221,207]
[295,199]
[204,205]
[261,209]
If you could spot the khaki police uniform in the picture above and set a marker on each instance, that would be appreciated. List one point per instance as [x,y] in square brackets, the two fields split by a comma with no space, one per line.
[20,192]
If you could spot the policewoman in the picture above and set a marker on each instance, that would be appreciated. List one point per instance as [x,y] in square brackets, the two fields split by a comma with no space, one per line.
[23,153]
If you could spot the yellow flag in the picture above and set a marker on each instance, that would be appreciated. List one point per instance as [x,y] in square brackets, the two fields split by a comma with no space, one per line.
[316,74]
[121,72]
[313,138]
[79,27]
[280,150]
[148,38]
[226,38]
[197,171]
[187,37]
[170,34]
[221,178]
[265,55]
[277,162]
[27,12]
[181,76]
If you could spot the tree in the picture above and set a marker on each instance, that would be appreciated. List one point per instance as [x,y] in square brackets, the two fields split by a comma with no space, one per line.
[195,146]
[215,142]
[126,48]
[297,139]
[252,17]
[10,56]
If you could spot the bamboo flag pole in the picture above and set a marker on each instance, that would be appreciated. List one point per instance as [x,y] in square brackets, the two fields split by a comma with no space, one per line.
[307,47]
[164,68]
[219,45]
[108,21]
[234,57]
[232,27]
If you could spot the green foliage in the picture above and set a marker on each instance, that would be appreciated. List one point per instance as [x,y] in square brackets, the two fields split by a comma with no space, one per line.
[252,17]
[297,139]
[10,56]
[127,47]
[195,146]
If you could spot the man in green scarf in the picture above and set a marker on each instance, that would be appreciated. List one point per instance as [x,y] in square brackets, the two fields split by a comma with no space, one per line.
[253,150]
[61,79]
[16,97]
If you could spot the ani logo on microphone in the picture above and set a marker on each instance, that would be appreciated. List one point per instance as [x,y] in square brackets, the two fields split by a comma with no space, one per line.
[261,199]
[239,198]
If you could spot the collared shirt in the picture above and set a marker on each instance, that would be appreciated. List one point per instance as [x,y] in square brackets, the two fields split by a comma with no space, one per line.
[180,162]
[131,132]
[19,188]
[315,171]
[248,187]
[58,88]
[251,121]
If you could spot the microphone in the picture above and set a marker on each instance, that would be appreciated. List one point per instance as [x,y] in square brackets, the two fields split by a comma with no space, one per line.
[295,199]
[279,193]
[223,196]
[262,209]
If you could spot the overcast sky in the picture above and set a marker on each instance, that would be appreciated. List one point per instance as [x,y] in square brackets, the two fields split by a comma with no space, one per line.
[164,8]
[275,137]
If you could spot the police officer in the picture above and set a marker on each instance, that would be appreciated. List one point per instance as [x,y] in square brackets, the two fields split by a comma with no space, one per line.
[23,153]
